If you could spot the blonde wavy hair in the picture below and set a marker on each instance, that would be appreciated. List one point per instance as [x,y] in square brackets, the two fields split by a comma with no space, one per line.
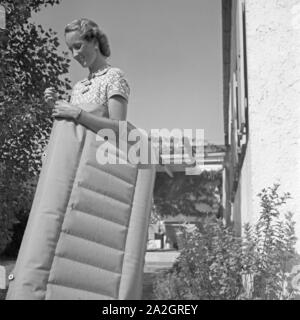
[89,30]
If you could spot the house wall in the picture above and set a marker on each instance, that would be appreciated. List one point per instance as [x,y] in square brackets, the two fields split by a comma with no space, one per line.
[273,153]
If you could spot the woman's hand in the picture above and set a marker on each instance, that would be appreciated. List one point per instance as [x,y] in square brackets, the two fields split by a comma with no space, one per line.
[62,109]
[50,96]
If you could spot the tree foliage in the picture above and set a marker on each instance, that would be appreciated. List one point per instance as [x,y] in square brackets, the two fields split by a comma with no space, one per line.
[180,194]
[183,193]
[29,64]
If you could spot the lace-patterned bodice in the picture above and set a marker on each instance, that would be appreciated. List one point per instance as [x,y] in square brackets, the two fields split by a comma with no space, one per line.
[97,90]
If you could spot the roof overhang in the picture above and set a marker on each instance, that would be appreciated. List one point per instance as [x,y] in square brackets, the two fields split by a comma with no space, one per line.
[213,161]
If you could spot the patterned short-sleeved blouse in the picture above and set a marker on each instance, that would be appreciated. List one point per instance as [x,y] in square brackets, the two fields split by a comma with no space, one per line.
[103,85]
[92,94]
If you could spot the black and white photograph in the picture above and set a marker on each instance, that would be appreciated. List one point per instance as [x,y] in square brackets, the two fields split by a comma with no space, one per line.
[149,151]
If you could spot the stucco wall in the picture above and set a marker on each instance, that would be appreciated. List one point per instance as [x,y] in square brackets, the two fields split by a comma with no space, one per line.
[273,41]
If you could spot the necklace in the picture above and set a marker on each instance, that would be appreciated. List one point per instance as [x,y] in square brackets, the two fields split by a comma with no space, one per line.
[94,74]
[87,82]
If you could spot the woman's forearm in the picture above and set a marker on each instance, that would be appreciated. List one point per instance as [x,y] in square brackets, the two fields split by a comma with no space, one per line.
[96,123]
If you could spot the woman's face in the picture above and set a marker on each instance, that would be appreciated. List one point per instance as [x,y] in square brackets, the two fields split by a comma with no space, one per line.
[83,51]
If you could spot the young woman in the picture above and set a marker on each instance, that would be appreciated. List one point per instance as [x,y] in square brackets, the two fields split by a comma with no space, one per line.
[87,230]
[104,88]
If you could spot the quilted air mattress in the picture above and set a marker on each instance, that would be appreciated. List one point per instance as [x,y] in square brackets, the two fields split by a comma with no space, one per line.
[87,230]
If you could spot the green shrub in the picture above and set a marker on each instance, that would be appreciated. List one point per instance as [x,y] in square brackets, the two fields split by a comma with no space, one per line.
[215,264]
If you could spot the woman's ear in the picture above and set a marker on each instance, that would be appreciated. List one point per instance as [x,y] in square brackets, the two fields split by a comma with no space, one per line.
[96,43]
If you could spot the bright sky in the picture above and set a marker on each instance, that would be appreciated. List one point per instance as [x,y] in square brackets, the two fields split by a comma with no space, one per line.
[170,51]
